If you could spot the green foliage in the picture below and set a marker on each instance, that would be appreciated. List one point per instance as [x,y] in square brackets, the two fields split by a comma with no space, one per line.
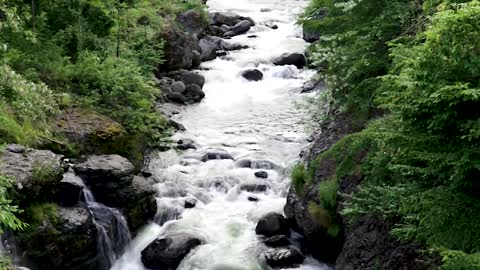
[458,260]
[298,177]
[37,214]
[8,212]
[6,263]
[420,162]
[44,173]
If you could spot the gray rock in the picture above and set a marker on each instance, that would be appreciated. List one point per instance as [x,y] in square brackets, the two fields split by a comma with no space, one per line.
[71,189]
[226,18]
[193,93]
[296,59]
[167,253]
[196,58]
[37,173]
[255,188]
[188,77]
[241,27]
[178,49]
[227,46]
[272,224]
[68,241]
[209,49]
[253,75]
[284,257]
[192,21]
[277,241]
[177,87]
[104,173]
[215,154]
[177,97]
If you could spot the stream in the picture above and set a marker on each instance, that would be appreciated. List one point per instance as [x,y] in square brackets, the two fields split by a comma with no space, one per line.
[258,124]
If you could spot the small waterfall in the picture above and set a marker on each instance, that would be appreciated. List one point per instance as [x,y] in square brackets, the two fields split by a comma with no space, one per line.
[113,233]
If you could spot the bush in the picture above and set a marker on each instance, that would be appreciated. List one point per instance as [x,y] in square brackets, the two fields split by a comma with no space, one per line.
[299,177]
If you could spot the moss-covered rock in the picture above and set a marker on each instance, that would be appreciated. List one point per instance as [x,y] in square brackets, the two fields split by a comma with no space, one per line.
[89,131]
[59,238]
[37,173]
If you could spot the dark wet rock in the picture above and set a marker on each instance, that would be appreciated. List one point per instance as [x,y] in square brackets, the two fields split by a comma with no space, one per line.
[37,173]
[71,189]
[177,98]
[177,87]
[271,25]
[215,30]
[111,180]
[146,173]
[227,46]
[178,126]
[241,27]
[252,36]
[196,58]
[67,241]
[190,203]
[253,198]
[104,173]
[193,93]
[252,75]
[272,224]
[216,154]
[312,86]
[310,36]
[265,10]
[90,131]
[277,241]
[221,53]
[261,174]
[192,21]
[167,253]
[209,49]
[229,34]
[296,59]
[178,49]
[226,18]
[255,188]
[258,164]
[185,144]
[188,77]
[284,257]
[370,237]
[139,205]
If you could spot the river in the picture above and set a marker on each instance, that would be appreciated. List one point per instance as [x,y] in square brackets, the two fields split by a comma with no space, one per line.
[254,122]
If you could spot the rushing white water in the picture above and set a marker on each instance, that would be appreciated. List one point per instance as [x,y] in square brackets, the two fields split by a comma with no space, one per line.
[256,121]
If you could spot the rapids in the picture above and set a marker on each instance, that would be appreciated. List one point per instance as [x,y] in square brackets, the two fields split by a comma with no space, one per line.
[251,121]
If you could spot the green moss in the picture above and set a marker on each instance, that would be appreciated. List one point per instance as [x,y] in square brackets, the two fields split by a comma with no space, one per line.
[45,173]
[37,214]
[299,178]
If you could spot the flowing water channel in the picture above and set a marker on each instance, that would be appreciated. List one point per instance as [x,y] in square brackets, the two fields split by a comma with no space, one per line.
[257,123]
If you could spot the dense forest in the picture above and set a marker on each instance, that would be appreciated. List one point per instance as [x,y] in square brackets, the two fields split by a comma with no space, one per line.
[405,76]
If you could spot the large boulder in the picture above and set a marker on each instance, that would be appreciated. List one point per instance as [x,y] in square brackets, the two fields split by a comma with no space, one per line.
[71,189]
[272,224]
[167,253]
[296,59]
[89,131]
[37,173]
[188,77]
[179,48]
[252,75]
[241,27]
[65,240]
[104,174]
[192,21]
[209,49]
[193,93]
[284,257]
[111,179]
